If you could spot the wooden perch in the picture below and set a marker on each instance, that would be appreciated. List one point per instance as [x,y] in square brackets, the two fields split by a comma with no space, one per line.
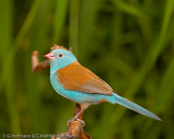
[36,65]
[75,127]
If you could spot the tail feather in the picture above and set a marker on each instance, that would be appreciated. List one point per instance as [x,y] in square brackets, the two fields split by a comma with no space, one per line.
[124,102]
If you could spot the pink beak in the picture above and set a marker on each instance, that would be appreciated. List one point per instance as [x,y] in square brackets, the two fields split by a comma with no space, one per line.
[49,56]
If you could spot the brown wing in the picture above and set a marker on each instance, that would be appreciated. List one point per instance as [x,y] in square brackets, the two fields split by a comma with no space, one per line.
[78,78]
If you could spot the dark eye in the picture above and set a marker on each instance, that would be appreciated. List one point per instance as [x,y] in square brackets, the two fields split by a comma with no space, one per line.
[60,55]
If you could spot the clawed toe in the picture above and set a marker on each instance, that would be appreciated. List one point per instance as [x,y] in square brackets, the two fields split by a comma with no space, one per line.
[73,119]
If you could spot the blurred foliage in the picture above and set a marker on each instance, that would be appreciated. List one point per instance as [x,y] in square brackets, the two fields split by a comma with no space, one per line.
[128,43]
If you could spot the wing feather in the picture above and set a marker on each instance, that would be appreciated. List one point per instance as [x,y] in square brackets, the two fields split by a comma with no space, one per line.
[75,77]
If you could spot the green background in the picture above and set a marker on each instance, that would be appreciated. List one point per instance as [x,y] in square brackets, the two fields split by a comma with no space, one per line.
[128,43]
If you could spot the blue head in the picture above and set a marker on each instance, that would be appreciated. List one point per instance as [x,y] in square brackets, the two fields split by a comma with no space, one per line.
[60,58]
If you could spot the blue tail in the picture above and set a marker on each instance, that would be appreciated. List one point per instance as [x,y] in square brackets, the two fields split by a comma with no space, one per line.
[124,102]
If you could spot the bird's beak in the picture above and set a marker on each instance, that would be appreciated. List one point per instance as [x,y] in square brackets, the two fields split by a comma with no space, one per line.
[49,56]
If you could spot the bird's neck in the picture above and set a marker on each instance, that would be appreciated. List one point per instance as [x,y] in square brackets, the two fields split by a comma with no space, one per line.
[55,67]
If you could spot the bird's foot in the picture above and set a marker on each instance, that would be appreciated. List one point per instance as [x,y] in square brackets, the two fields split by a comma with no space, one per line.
[75,119]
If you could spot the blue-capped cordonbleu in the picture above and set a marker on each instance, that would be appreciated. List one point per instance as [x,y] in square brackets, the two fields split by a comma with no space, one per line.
[76,83]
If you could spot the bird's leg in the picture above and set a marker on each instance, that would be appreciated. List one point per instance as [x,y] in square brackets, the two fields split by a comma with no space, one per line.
[83,108]
[78,114]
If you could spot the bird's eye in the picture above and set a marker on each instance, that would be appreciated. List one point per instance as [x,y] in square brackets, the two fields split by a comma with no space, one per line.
[60,55]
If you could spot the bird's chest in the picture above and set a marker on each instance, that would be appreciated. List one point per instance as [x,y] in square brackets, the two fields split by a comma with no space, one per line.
[60,89]
[54,79]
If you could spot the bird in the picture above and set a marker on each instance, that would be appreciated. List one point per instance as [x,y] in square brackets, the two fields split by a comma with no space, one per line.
[80,85]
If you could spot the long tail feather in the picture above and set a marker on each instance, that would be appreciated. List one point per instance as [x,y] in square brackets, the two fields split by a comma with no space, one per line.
[124,102]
